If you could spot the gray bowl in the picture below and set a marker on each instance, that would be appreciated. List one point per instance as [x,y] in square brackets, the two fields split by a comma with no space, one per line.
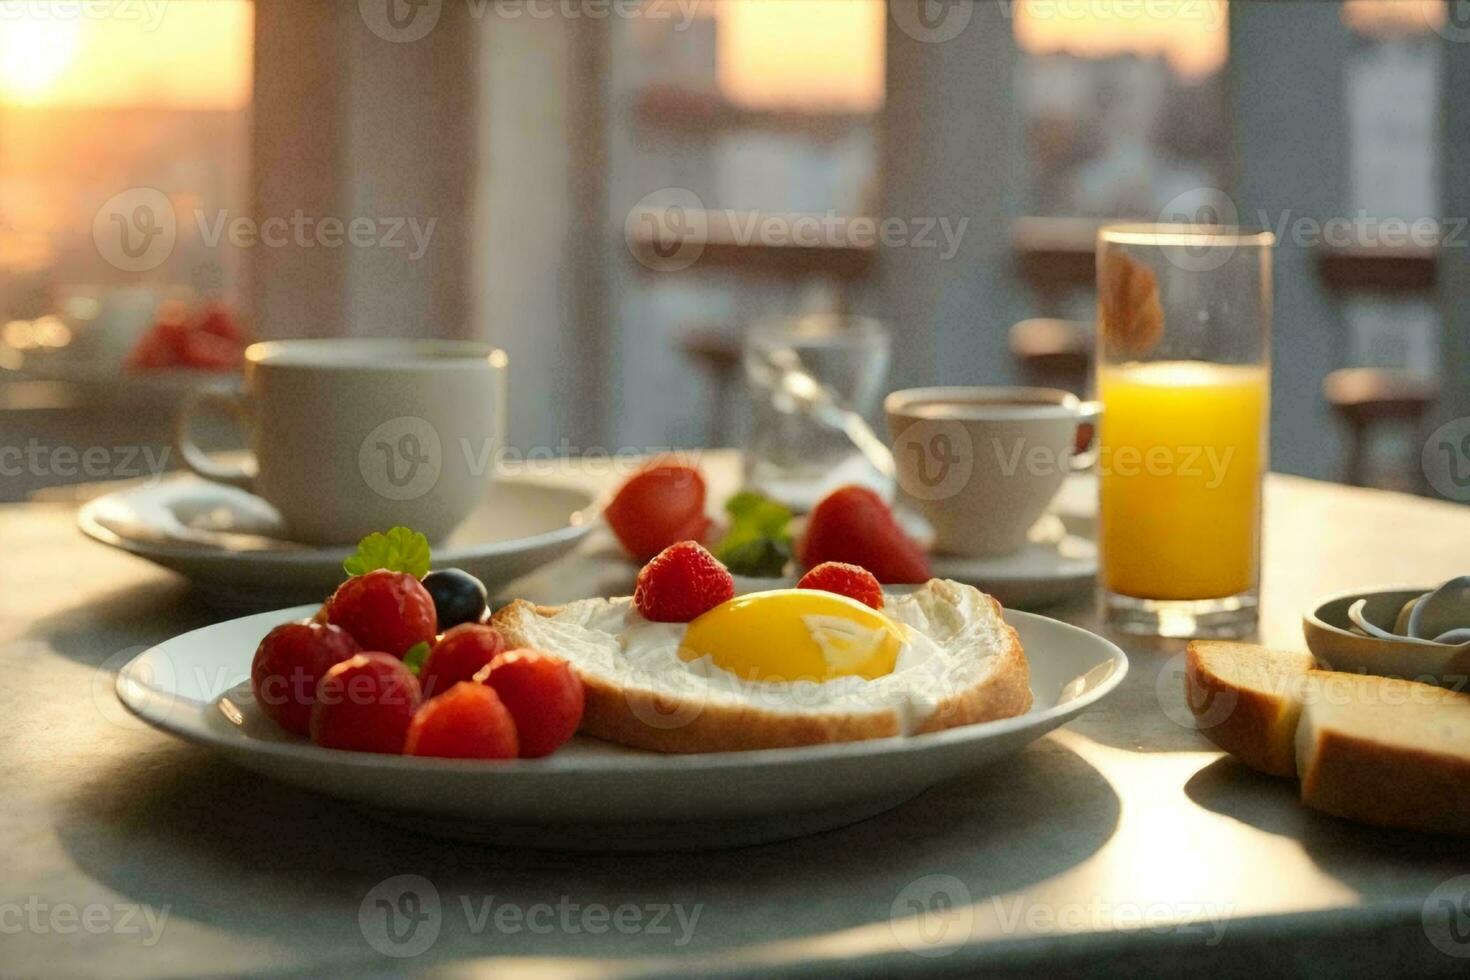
[1336,643]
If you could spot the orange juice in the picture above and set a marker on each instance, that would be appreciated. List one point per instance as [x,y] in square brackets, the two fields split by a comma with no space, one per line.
[1181,452]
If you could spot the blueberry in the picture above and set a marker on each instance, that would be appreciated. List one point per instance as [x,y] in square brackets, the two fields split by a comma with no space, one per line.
[458,596]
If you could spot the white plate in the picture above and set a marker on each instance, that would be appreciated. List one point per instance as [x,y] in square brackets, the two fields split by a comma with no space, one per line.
[223,538]
[593,795]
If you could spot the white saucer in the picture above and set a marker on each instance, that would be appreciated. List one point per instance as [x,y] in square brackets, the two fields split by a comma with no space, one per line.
[1059,561]
[592,795]
[223,538]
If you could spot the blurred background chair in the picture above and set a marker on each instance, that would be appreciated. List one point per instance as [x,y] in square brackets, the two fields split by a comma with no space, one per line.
[1053,353]
[1369,401]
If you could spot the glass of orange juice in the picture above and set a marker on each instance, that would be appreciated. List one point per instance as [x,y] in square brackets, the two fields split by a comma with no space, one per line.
[1183,374]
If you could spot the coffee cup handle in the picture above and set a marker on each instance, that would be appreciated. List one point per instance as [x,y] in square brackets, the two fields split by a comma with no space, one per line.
[196,459]
[1087,414]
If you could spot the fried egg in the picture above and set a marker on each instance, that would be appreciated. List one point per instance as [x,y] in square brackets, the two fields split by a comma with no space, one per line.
[784,667]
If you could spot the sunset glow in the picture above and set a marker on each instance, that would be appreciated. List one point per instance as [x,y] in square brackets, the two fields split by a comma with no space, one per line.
[56,56]
[810,55]
[1194,40]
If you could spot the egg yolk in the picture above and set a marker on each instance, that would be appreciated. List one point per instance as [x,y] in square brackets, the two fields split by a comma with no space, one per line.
[795,634]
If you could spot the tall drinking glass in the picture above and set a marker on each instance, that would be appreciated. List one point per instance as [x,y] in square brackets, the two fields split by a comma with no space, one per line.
[1183,373]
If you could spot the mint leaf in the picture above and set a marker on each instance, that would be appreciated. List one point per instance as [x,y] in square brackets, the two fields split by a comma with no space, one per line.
[414,657]
[399,550]
[759,539]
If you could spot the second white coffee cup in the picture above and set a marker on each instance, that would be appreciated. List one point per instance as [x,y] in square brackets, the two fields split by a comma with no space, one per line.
[982,464]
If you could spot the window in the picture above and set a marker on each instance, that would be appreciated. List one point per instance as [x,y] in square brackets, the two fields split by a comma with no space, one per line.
[99,101]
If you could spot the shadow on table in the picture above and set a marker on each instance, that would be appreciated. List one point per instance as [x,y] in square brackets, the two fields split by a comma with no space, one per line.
[1358,855]
[232,849]
[138,617]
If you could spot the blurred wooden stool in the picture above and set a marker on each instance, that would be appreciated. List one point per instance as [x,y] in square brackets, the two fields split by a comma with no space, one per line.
[1364,399]
[1053,353]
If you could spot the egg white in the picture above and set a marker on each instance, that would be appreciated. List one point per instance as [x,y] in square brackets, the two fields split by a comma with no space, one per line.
[953,636]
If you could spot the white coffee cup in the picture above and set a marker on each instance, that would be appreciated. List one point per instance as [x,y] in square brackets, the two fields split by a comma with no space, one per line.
[983,463]
[351,436]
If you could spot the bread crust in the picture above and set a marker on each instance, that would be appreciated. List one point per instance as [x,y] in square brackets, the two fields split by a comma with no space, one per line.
[1387,785]
[1257,727]
[663,723]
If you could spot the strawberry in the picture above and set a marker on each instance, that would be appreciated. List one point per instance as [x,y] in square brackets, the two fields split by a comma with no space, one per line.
[852,524]
[660,505]
[682,582]
[853,581]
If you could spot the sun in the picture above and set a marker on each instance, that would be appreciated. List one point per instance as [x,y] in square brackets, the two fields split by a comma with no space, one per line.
[34,54]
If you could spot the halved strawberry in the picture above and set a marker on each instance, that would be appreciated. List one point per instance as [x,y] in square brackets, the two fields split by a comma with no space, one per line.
[682,582]
[852,524]
[660,505]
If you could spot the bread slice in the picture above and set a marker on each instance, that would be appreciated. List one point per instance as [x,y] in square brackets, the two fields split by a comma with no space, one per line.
[661,703]
[1247,699]
[1379,750]
[1387,752]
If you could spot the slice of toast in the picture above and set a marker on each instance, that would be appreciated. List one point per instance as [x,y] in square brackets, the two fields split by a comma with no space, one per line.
[1389,753]
[1247,699]
[1379,750]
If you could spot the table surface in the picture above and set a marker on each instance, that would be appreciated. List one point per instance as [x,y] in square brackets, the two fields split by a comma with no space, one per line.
[1123,839]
